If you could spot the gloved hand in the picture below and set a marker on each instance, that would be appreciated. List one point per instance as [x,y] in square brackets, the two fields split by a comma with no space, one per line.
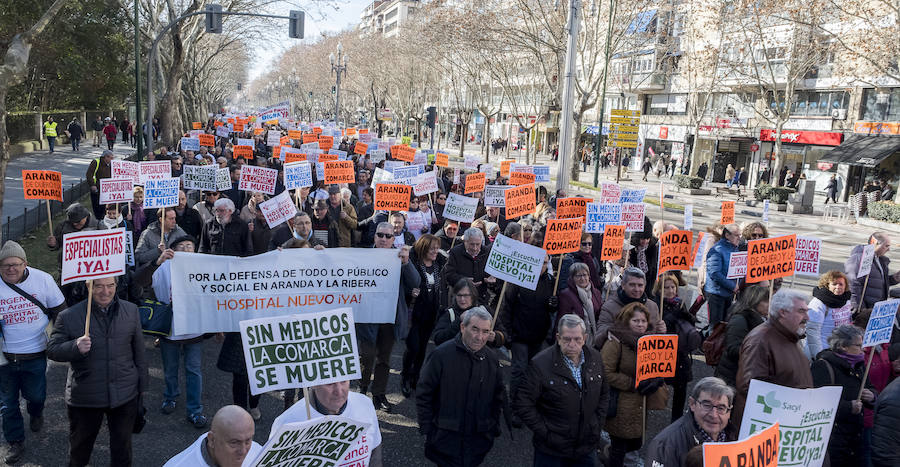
[649,386]
[553,302]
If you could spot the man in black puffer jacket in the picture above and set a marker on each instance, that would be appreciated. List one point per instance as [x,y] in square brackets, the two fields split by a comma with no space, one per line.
[225,234]
[460,394]
[885,435]
[564,398]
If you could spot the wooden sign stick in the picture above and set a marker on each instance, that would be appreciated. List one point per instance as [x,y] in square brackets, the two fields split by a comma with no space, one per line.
[90,300]
[499,302]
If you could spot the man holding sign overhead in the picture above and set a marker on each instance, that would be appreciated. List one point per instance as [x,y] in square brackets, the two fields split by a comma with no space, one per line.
[872,286]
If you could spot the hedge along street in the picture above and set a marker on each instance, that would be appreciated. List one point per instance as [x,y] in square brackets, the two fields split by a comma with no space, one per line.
[298,351]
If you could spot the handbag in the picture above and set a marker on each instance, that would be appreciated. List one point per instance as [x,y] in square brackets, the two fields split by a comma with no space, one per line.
[714,345]
[156,318]
[659,400]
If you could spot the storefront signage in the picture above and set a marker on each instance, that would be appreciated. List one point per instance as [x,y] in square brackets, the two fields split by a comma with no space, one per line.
[803,137]
[877,128]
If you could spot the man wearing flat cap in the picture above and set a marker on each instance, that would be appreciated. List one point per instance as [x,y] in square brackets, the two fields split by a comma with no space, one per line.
[343,214]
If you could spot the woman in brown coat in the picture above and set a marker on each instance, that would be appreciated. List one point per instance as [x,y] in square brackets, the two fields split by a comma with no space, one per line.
[619,355]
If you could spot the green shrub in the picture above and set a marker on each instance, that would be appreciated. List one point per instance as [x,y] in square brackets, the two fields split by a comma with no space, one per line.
[687,181]
[780,194]
[763,191]
[885,211]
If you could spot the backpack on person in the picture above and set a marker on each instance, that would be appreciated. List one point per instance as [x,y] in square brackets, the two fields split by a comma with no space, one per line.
[714,345]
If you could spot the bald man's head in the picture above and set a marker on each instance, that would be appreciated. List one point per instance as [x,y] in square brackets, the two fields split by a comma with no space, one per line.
[230,436]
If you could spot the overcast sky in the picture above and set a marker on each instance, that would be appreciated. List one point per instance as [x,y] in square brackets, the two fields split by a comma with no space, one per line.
[346,15]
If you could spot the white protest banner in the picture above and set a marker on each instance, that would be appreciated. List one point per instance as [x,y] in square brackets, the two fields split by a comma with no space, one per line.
[460,208]
[805,418]
[273,138]
[377,155]
[807,250]
[610,193]
[542,173]
[114,191]
[702,243]
[494,195]
[881,323]
[633,216]
[425,183]
[322,441]
[190,144]
[249,142]
[129,248]
[341,154]
[421,158]
[126,170]
[633,195]
[599,215]
[389,166]
[254,178]
[93,254]
[765,215]
[489,171]
[381,176]
[281,110]
[154,170]
[199,177]
[298,351]
[297,175]
[161,193]
[516,262]
[320,170]
[278,209]
[285,150]
[213,293]
[516,167]
[456,176]
[223,131]
[310,146]
[865,261]
[471,162]
[688,217]
[195,133]
[402,172]
[223,179]
[737,265]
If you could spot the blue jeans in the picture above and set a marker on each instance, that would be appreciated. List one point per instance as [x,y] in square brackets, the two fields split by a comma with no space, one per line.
[51,140]
[30,379]
[546,460]
[193,373]
[76,143]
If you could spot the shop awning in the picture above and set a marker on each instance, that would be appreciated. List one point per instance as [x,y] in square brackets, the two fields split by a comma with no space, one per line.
[867,151]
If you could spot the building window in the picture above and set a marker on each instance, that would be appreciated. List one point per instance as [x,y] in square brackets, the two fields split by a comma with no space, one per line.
[818,104]
[881,105]
[665,104]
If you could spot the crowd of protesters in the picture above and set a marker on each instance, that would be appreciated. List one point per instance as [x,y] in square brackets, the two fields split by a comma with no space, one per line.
[572,347]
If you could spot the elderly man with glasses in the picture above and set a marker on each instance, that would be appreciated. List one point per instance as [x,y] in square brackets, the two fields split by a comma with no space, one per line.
[29,298]
[707,421]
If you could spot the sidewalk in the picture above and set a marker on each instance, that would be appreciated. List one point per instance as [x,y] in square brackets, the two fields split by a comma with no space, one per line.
[73,166]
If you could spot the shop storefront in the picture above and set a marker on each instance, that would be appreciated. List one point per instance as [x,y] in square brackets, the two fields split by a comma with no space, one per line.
[663,139]
[802,151]
[872,153]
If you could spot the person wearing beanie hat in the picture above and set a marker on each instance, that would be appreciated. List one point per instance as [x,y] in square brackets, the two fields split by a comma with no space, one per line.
[157,274]
[344,216]
[24,343]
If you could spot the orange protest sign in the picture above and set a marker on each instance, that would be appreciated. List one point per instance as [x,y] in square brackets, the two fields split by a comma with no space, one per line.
[317,130]
[294,157]
[771,258]
[521,178]
[339,172]
[326,142]
[563,236]
[351,131]
[295,135]
[363,131]
[519,201]
[696,247]
[656,355]
[727,213]
[207,140]
[392,197]
[238,127]
[328,157]
[310,138]
[504,168]
[475,182]
[360,148]
[273,121]
[217,123]
[675,250]
[257,131]
[568,208]
[613,242]
[42,184]
[196,125]
[403,153]
[441,160]
[276,151]
[230,120]
[757,450]
[284,140]
[242,151]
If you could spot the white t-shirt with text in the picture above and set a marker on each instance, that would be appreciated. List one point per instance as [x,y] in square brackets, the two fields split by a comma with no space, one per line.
[24,324]
[193,455]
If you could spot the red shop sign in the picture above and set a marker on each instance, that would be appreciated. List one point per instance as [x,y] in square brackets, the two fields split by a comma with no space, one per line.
[803,137]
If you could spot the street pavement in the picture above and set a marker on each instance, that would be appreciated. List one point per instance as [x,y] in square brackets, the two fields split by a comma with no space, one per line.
[166,435]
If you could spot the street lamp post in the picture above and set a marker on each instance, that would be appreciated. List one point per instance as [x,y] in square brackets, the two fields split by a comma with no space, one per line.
[566,144]
[338,68]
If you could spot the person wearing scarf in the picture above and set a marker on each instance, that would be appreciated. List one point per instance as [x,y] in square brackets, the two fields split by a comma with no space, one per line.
[581,298]
[843,365]
[644,256]
[583,255]
[424,309]
[681,323]
[136,212]
[829,308]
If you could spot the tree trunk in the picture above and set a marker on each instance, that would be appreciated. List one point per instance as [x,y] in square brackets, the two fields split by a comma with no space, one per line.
[694,161]
[486,139]
[168,109]
[576,155]
[463,134]
[777,162]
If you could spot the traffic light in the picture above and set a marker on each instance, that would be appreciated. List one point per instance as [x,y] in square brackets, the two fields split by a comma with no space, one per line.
[431,118]
[333,90]
[295,25]
[214,18]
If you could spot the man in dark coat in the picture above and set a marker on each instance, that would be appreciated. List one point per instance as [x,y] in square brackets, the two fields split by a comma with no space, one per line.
[564,398]
[225,234]
[299,227]
[879,279]
[469,260]
[707,421]
[885,435]
[460,394]
[108,371]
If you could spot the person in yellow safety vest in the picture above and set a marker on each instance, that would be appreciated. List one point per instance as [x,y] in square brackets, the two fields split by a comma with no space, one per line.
[50,132]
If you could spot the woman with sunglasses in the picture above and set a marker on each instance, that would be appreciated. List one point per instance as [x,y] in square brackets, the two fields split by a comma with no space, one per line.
[424,308]
[583,255]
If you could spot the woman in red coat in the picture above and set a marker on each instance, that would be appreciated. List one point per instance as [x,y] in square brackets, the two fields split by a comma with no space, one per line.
[581,298]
